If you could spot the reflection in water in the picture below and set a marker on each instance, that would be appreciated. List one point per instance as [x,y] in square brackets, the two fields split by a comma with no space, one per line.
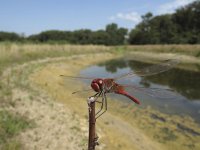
[185,83]
[113,65]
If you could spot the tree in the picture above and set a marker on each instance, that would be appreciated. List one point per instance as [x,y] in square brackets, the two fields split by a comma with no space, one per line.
[116,35]
[163,30]
[51,35]
[100,37]
[188,23]
[181,27]
[142,32]
[10,36]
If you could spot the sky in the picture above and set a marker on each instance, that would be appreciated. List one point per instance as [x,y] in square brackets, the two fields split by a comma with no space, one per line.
[33,16]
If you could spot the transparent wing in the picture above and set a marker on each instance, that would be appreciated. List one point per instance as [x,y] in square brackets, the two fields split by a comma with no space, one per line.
[80,91]
[152,70]
[78,77]
[153,92]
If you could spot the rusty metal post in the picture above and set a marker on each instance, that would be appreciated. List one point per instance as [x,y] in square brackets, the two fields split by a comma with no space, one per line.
[92,135]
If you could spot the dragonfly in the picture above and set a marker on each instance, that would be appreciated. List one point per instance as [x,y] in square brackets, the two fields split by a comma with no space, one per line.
[103,86]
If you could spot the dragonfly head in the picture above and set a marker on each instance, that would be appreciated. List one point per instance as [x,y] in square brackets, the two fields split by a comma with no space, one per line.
[97,85]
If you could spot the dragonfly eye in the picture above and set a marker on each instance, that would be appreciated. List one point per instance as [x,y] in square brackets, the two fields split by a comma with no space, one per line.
[95,87]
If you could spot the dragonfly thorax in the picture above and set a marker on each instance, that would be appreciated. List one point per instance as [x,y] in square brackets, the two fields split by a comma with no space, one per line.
[97,85]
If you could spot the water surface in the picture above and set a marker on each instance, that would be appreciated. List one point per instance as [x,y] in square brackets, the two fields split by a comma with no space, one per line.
[185,84]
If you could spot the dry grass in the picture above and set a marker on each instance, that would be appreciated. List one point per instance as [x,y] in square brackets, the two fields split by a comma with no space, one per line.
[14,82]
[192,50]
[13,53]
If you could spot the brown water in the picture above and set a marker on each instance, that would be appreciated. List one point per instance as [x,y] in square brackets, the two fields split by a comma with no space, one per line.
[185,86]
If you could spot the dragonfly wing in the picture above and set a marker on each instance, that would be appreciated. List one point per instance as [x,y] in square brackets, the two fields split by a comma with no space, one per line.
[77,77]
[153,92]
[80,91]
[152,70]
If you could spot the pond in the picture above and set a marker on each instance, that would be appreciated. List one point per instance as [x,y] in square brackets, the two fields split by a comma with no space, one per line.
[184,84]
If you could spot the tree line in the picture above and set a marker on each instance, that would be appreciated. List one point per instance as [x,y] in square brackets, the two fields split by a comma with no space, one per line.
[181,27]
[112,35]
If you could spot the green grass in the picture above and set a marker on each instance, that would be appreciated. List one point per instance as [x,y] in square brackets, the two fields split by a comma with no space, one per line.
[5,95]
[12,145]
[198,54]
[10,126]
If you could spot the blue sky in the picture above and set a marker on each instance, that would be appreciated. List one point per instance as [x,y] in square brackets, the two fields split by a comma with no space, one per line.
[34,16]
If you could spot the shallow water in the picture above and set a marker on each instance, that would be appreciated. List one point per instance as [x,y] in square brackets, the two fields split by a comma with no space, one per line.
[184,100]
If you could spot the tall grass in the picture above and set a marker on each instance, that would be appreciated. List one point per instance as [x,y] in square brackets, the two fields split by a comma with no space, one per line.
[192,50]
[16,53]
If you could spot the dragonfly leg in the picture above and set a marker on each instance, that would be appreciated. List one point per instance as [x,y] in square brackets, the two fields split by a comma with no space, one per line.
[104,100]
[96,94]
[102,103]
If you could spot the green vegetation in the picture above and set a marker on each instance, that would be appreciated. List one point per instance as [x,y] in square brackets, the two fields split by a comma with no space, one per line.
[10,36]
[182,27]
[10,126]
[112,35]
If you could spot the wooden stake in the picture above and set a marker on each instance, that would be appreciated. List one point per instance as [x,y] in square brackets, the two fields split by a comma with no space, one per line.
[92,141]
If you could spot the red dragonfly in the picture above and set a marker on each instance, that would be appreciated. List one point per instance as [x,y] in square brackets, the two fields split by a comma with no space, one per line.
[102,86]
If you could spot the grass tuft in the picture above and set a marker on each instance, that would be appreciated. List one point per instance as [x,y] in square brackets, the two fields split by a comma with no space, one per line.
[12,145]
[10,126]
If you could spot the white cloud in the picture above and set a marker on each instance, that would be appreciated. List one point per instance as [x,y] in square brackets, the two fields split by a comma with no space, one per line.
[132,16]
[172,6]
